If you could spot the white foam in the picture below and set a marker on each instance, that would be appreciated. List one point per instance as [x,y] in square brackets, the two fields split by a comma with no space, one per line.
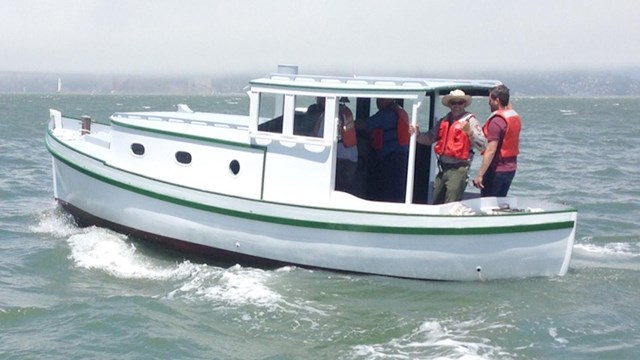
[617,249]
[55,222]
[567,112]
[236,286]
[101,249]
[613,255]
[104,250]
[109,252]
[553,332]
[433,339]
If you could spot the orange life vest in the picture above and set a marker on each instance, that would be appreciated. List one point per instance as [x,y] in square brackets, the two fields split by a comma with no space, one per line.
[404,137]
[452,140]
[511,141]
[402,130]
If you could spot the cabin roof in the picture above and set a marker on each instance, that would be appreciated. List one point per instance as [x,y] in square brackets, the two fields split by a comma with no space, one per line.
[364,84]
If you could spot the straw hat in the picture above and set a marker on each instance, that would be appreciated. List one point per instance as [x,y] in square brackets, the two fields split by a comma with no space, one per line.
[456,95]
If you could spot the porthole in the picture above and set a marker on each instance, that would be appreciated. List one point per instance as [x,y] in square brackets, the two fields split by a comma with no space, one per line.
[183,157]
[234,166]
[137,149]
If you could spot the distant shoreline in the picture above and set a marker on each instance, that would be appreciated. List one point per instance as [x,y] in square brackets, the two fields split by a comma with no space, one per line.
[572,84]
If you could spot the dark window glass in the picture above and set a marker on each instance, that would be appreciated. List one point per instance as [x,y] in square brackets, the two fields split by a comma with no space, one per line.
[183,157]
[137,149]
[234,166]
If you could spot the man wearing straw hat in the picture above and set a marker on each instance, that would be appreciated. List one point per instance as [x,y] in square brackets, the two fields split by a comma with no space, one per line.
[456,135]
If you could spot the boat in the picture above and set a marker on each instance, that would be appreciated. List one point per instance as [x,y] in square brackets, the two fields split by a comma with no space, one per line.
[255,189]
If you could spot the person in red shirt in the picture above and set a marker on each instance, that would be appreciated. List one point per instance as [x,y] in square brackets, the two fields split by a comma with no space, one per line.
[500,158]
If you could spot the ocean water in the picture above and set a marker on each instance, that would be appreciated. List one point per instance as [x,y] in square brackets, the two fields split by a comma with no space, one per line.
[80,293]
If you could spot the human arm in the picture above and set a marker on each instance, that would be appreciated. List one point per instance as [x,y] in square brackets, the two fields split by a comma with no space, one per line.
[426,138]
[476,135]
[487,158]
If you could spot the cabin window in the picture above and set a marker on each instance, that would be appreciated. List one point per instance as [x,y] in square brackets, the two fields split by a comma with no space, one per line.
[137,149]
[234,166]
[183,157]
[309,116]
[270,112]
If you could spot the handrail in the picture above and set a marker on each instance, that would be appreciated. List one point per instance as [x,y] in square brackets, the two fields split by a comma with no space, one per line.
[298,139]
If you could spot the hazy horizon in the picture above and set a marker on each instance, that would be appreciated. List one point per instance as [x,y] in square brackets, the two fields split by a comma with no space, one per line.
[358,37]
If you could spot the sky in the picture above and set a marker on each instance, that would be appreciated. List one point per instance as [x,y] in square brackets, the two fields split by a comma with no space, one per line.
[345,37]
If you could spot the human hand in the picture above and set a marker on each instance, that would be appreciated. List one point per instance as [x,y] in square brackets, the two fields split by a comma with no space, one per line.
[477,182]
[414,129]
[466,127]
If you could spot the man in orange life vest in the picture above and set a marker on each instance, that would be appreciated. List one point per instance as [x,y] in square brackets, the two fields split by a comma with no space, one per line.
[456,135]
[500,159]
[389,133]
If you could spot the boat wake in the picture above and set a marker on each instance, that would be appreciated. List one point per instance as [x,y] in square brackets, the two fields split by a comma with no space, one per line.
[110,252]
[55,222]
[447,339]
[103,250]
[616,254]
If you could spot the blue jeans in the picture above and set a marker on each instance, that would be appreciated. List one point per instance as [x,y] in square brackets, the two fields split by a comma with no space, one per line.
[496,183]
[394,176]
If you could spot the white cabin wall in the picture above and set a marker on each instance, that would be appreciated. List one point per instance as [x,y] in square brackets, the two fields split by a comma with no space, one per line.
[298,173]
[208,171]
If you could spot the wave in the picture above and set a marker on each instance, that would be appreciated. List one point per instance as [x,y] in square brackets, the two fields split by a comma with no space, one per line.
[566,112]
[613,254]
[439,339]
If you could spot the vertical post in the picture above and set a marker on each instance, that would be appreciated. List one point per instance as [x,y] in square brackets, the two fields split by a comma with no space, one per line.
[254,108]
[330,118]
[331,114]
[56,117]
[433,160]
[288,114]
[86,125]
[408,197]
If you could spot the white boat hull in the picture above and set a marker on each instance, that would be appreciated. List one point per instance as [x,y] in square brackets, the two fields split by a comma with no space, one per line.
[402,245]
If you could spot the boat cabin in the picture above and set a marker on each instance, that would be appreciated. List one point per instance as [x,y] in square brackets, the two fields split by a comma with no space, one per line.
[302,149]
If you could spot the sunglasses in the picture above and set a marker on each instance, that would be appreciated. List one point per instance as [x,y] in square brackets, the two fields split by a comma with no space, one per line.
[459,102]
